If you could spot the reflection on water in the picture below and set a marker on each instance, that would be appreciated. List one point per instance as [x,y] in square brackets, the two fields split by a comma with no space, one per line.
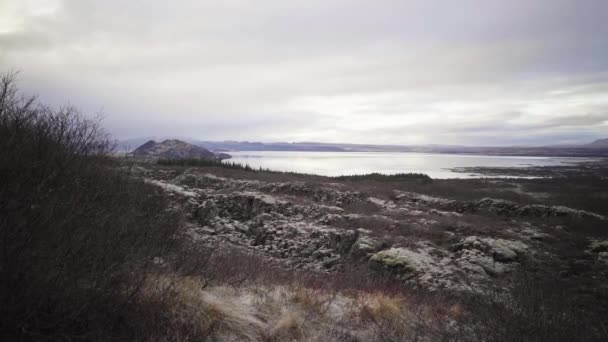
[350,163]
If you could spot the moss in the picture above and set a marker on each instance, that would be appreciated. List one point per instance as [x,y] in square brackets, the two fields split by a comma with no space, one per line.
[599,246]
[390,258]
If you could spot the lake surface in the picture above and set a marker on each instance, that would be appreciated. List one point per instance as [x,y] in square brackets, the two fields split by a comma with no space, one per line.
[351,163]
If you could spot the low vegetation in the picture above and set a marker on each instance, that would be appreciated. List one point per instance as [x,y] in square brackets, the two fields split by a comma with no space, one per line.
[77,236]
[398,177]
[90,251]
[204,162]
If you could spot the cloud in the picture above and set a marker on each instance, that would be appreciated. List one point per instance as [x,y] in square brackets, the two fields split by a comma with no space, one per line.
[580,120]
[388,71]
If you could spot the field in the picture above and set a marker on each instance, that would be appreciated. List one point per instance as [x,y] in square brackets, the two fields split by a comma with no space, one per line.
[95,247]
[473,246]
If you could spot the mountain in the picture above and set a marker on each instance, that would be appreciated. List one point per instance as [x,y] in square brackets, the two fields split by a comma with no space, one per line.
[600,143]
[173,149]
[275,146]
[128,145]
[591,150]
[598,148]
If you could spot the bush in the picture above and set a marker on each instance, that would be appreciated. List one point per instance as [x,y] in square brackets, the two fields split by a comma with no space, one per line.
[76,234]
[398,177]
[539,309]
[204,162]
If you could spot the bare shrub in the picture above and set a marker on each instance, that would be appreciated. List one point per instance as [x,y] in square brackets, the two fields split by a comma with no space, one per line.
[536,309]
[383,307]
[312,299]
[288,327]
[76,235]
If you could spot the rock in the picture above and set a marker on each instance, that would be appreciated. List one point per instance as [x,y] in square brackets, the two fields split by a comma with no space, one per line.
[480,263]
[600,249]
[238,205]
[301,225]
[331,219]
[322,195]
[388,205]
[172,188]
[207,230]
[402,260]
[321,253]
[365,246]
[330,262]
[495,206]
[503,254]
[598,246]
[206,212]
[260,219]
[603,257]
[535,235]
[403,196]
[342,241]
[499,249]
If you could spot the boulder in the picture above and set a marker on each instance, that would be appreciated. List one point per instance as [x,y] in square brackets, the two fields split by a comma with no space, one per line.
[598,246]
[342,241]
[402,260]
[500,250]
[365,246]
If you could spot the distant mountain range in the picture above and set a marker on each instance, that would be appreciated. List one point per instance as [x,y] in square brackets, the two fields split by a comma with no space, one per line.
[601,143]
[598,148]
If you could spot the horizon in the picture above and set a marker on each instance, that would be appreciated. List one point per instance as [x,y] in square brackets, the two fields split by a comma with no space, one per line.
[480,73]
[190,139]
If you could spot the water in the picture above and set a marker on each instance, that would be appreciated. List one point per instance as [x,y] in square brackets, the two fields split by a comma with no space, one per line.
[351,163]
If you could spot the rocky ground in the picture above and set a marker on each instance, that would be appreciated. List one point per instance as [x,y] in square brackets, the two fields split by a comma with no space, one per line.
[593,167]
[428,242]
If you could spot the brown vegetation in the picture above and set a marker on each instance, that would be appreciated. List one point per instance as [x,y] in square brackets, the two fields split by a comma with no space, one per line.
[89,252]
[76,235]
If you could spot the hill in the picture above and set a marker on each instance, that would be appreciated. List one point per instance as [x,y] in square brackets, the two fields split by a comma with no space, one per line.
[600,143]
[174,149]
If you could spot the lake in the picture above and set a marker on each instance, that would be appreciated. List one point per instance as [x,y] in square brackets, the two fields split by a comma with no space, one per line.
[350,163]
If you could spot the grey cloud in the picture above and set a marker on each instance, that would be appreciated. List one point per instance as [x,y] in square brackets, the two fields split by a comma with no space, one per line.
[498,125]
[580,120]
[388,71]
[23,41]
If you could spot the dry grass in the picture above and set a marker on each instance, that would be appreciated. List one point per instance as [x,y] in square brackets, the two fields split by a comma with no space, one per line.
[289,327]
[383,307]
[78,240]
[312,300]
[192,313]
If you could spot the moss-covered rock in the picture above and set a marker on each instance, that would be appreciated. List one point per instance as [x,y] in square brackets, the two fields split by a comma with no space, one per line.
[402,260]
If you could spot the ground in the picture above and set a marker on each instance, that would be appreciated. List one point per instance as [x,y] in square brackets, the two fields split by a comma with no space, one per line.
[456,237]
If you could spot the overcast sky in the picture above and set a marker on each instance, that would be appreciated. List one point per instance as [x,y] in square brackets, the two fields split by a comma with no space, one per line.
[486,72]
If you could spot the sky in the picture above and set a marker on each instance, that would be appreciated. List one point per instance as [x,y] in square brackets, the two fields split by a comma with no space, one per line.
[469,72]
